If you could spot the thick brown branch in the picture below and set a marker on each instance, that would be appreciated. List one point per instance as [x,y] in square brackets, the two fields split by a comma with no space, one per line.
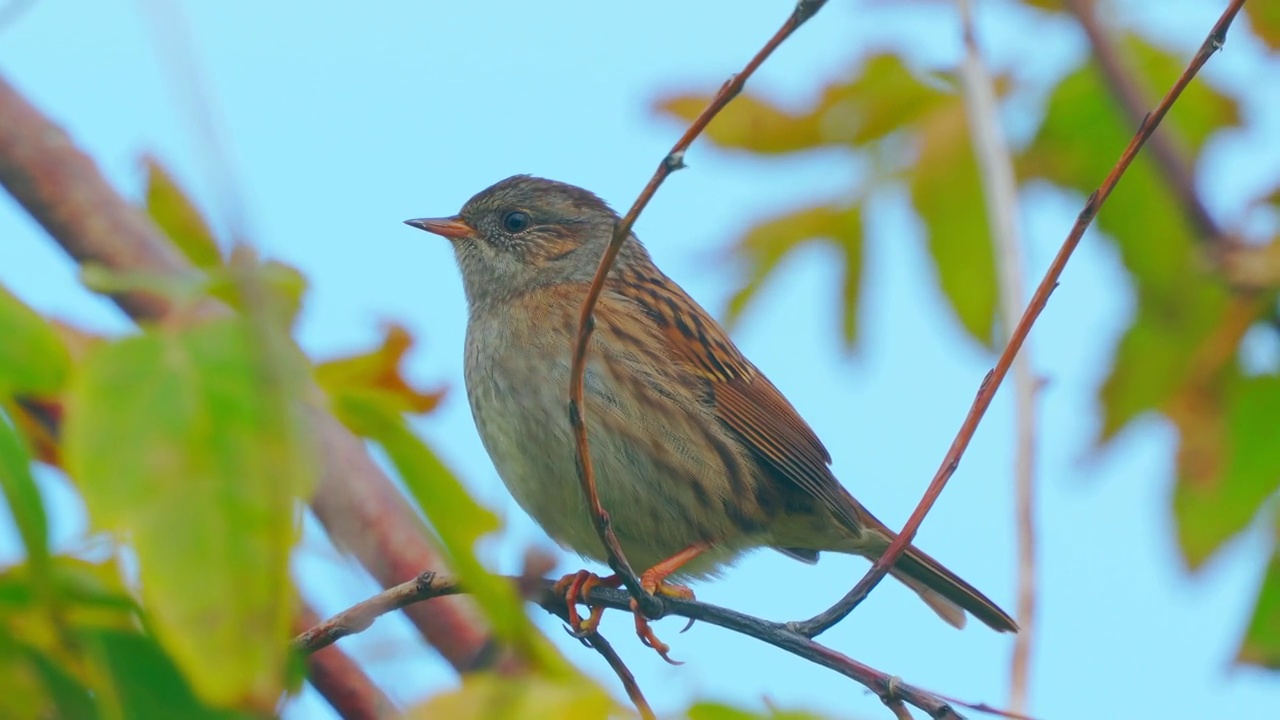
[361,509]
[991,383]
[674,160]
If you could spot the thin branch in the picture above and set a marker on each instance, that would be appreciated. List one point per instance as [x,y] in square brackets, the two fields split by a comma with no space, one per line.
[1000,191]
[360,508]
[673,161]
[888,688]
[341,682]
[1133,101]
[987,390]
[597,642]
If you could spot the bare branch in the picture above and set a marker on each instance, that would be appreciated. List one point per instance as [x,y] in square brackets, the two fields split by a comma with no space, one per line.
[888,688]
[674,160]
[987,390]
[341,682]
[1000,190]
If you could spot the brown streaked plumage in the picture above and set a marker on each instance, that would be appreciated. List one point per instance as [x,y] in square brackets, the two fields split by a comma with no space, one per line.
[697,455]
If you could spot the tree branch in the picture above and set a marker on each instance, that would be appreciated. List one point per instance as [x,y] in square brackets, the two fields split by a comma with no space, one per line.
[360,508]
[341,682]
[539,591]
[987,390]
[674,160]
[1000,190]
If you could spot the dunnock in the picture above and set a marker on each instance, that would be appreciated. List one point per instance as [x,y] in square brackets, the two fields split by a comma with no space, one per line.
[698,457]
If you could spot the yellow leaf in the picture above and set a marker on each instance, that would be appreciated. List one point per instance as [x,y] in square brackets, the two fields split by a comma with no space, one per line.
[528,697]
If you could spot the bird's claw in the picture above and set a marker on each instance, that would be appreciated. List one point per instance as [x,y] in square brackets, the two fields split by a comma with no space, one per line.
[576,587]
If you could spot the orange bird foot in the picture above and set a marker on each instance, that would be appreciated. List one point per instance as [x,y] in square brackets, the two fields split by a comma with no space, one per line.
[575,587]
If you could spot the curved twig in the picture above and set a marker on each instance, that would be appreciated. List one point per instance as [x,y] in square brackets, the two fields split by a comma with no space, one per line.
[987,390]
[674,160]
[888,688]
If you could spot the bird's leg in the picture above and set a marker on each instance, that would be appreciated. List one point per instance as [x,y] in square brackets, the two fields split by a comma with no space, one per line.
[654,582]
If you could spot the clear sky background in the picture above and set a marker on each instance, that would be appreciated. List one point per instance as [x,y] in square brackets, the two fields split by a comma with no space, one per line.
[338,124]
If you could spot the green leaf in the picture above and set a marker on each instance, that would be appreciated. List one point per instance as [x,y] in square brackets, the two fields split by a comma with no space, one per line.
[144,680]
[486,696]
[379,374]
[458,520]
[1264,18]
[946,189]
[881,97]
[766,244]
[1261,643]
[33,361]
[717,711]
[179,218]
[1154,356]
[1228,462]
[192,443]
[23,497]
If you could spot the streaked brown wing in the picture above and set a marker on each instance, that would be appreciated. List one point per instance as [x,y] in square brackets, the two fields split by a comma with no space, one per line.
[744,399]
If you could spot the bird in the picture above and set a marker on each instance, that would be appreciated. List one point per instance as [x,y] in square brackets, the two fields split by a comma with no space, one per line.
[698,457]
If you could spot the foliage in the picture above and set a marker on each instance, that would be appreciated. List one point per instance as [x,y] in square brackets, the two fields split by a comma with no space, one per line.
[1179,356]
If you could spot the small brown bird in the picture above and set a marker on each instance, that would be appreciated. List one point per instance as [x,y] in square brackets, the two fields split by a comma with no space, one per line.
[698,457]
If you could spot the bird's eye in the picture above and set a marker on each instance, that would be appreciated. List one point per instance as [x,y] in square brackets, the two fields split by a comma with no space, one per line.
[515,221]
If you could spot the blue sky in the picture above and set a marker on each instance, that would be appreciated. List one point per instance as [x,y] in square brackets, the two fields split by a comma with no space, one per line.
[335,125]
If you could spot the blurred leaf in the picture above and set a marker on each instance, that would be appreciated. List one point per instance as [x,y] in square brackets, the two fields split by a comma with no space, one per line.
[717,711]
[1154,356]
[1228,462]
[749,123]
[277,287]
[766,244]
[145,681]
[1264,18]
[34,687]
[1261,643]
[529,697]
[23,499]
[191,442]
[1201,110]
[947,192]
[32,358]
[378,374]
[179,218]
[881,97]
[458,520]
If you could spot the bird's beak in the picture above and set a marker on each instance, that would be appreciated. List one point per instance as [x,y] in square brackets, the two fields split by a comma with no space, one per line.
[451,227]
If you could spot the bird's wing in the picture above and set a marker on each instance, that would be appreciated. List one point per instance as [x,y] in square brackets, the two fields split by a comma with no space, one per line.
[744,400]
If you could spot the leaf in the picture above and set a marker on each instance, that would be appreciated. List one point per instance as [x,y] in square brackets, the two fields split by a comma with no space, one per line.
[717,711]
[33,360]
[1153,358]
[881,97]
[766,244]
[144,680]
[23,498]
[179,218]
[1264,18]
[1261,643]
[379,374]
[192,443]
[529,697]
[947,192]
[1228,462]
[458,520]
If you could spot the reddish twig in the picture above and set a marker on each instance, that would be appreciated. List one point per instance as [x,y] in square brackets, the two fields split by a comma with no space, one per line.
[341,682]
[987,390]
[674,160]
[540,591]
[356,502]
[1000,191]
[597,642]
